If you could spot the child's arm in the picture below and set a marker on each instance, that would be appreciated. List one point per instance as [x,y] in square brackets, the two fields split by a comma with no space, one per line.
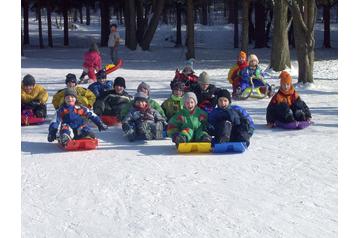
[55,123]
[95,119]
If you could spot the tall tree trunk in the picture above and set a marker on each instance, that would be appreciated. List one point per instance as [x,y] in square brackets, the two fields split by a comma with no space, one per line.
[75,15]
[304,37]
[165,16]
[81,14]
[26,22]
[105,21]
[230,5]
[65,27]
[268,26]
[280,51]
[88,15]
[204,14]
[140,20]
[327,28]
[236,24]
[121,15]
[190,29]
[131,32]
[149,33]
[38,14]
[251,24]
[260,20]
[49,26]
[178,6]
[245,25]
[22,44]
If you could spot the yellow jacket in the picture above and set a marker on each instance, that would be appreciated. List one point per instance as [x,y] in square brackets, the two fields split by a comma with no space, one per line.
[38,93]
[85,97]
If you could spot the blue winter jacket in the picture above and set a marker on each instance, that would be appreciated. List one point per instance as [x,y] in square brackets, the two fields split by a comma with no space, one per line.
[237,115]
[73,116]
[248,72]
[98,88]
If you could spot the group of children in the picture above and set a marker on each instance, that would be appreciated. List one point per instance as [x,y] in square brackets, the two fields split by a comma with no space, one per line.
[195,112]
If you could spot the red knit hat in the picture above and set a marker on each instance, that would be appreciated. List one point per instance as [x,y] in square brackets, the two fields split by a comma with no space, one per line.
[242,54]
[285,78]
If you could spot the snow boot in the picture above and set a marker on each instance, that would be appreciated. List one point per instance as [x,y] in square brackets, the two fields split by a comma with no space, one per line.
[205,138]
[159,130]
[64,139]
[300,115]
[130,134]
[225,136]
[179,139]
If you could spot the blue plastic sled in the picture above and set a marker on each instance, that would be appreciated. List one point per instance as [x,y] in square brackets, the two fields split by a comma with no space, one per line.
[233,147]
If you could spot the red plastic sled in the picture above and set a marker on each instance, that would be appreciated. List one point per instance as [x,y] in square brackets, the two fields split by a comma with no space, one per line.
[110,120]
[81,144]
[114,68]
[28,118]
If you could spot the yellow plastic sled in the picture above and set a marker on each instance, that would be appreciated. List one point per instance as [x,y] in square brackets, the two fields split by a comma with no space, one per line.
[200,147]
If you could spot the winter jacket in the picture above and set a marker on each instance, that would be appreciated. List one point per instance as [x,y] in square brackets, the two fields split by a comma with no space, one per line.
[38,93]
[237,115]
[113,39]
[281,97]
[92,59]
[85,97]
[206,98]
[74,117]
[234,73]
[111,103]
[99,88]
[192,125]
[172,105]
[153,104]
[248,72]
[188,80]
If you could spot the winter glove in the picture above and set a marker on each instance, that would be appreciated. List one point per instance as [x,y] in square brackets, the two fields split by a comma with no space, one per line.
[51,137]
[102,126]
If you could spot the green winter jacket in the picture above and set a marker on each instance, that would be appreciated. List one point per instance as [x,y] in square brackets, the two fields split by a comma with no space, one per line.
[172,105]
[153,104]
[191,125]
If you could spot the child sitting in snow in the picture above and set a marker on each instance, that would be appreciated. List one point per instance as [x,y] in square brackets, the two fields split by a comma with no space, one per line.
[230,123]
[144,88]
[189,124]
[102,85]
[234,77]
[252,74]
[205,92]
[92,63]
[187,76]
[71,119]
[112,102]
[85,96]
[142,121]
[286,105]
[175,103]
[33,96]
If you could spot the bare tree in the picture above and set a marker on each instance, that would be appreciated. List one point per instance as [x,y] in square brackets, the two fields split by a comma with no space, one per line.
[245,25]
[178,6]
[304,14]
[39,20]
[25,5]
[280,51]
[236,24]
[129,18]
[49,24]
[190,29]
[327,5]
[105,21]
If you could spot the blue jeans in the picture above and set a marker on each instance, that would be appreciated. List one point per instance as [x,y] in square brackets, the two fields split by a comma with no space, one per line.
[114,54]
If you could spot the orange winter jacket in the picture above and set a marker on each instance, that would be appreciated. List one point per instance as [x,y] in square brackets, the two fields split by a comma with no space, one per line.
[289,98]
[38,93]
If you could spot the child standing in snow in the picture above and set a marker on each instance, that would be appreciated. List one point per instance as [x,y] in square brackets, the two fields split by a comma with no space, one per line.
[92,63]
[113,101]
[205,92]
[33,96]
[234,77]
[102,85]
[230,123]
[286,105]
[175,103]
[189,124]
[252,75]
[113,43]
[142,121]
[70,118]
[84,96]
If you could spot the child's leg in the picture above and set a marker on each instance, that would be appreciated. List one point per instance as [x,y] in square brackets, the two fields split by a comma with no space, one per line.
[301,111]
[84,132]
[40,110]
[66,134]
[99,107]
[223,131]
[240,135]
[283,113]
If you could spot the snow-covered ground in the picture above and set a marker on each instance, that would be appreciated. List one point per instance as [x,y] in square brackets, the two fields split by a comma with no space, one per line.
[285,185]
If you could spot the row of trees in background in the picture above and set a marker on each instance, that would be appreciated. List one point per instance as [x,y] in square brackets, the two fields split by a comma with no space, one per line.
[291,22]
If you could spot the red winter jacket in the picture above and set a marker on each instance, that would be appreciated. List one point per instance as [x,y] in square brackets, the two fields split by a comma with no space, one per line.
[92,59]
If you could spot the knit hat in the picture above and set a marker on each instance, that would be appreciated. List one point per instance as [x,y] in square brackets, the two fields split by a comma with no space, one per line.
[28,80]
[242,54]
[71,78]
[101,74]
[224,93]
[285,78]
[70,91]
[204,78]
[190,95]
[140,96]
[93,47]
[143,85]
[253,57]
[119,81]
